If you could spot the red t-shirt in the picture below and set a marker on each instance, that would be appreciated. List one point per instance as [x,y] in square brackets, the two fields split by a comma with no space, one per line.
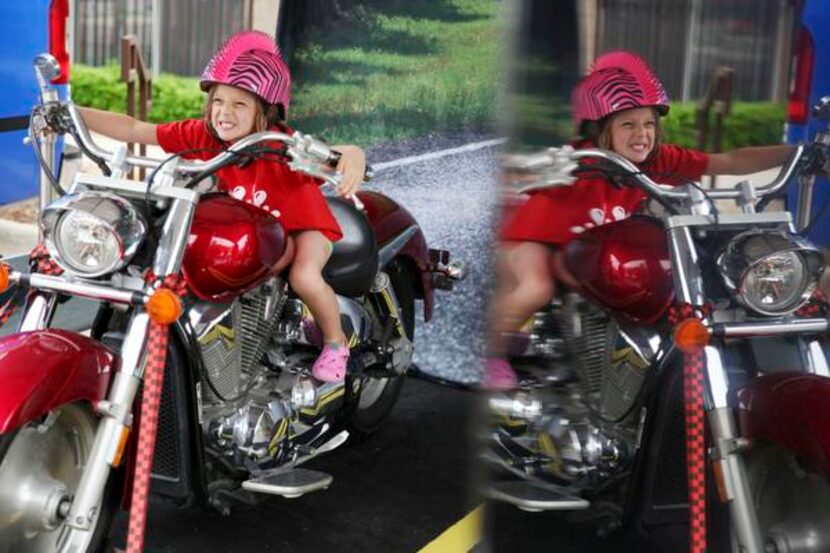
[291,197]
[557,215]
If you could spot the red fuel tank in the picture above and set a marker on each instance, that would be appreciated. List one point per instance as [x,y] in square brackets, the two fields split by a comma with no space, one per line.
[625,267]
[233,246]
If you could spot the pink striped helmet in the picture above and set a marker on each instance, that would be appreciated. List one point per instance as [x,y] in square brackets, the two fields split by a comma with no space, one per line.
[251,60]
[617,81]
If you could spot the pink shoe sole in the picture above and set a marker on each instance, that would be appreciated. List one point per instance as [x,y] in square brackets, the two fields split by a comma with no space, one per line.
[499,376]
[330,365]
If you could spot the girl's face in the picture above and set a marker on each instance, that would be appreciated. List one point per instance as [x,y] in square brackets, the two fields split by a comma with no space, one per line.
[233,112]
[633,133]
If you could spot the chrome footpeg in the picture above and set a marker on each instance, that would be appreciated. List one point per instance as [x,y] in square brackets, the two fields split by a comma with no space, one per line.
[532,498]
[290,483]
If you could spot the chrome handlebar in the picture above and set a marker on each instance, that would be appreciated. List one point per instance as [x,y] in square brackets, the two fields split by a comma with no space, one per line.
[306,154]
[555,165]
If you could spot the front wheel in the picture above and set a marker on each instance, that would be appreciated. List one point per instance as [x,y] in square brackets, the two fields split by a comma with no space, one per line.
[791,501]
[379,393]
[40,468]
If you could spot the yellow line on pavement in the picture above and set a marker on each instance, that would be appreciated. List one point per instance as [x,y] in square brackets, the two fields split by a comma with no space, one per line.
[461,537]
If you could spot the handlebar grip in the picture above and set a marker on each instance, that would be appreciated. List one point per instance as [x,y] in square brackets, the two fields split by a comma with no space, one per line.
[334,159]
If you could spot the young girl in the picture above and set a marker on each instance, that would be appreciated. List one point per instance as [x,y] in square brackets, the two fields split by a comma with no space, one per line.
[617,106]
[248,86]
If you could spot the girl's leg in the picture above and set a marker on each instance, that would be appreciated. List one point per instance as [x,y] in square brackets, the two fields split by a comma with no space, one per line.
[306,278]
[526,284]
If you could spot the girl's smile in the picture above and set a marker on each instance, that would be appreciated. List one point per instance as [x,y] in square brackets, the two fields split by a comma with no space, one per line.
[232,112]
[633,132]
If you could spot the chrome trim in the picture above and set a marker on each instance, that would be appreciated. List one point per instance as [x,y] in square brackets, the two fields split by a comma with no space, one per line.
[716,379]
[361,324]
[173,241]
[771,328]
[724,220]
[39,310]
[806,184]
[113,211]
[816,359]
[391,248]
[135,189]
[688,281]
[744,520]
[88,290]
[744,251]
[121,397]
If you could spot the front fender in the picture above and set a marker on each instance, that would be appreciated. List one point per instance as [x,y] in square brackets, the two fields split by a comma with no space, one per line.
[389,219]
[44,369]
[791,410]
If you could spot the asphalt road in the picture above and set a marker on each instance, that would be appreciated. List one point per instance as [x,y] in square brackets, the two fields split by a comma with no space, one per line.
[393,493]
[453,199]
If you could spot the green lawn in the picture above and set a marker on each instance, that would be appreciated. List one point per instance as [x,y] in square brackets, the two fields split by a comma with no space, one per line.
[401,70]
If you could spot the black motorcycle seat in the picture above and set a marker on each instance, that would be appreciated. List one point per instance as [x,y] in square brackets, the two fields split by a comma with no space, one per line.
[354,261]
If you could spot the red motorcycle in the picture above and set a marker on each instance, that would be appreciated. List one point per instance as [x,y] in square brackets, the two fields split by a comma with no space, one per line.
[723,305]
[192,307]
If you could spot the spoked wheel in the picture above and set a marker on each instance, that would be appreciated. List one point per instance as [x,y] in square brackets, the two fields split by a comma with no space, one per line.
[792,502]
[40,468]
[379,393]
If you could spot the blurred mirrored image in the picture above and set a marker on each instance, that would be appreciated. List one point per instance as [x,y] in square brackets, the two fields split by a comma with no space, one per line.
[654,289]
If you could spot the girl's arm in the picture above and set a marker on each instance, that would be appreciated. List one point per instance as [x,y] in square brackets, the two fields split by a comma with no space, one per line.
[352,165]
[748,160]
[119,126]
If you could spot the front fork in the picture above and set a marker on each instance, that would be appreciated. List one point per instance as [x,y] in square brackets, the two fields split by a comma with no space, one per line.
[116,410]
[728,461]
[727,456]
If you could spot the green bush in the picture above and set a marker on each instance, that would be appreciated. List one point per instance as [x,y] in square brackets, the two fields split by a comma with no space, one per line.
[749,124]
[174,97]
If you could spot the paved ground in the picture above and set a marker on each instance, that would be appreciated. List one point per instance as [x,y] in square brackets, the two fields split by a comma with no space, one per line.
[394,493]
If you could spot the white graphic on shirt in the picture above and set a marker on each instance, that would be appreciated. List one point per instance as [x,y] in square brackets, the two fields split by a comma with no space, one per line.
[259,197]
[238,193]
[276,213]
[599,217]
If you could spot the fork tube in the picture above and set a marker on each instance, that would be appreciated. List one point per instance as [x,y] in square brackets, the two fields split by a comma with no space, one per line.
[688,282]
[117,413]
[38,311]
[176,229]
[727,452]
[806,184]
[48,149]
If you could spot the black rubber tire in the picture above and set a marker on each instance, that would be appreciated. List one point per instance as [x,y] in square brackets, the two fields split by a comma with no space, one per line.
[110,503]
[365,420]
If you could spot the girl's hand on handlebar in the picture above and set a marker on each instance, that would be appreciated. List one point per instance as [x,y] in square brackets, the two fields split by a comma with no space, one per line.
[352,166]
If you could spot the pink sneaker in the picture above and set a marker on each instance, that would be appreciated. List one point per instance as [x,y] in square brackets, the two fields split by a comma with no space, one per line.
[499,376]
[331,363]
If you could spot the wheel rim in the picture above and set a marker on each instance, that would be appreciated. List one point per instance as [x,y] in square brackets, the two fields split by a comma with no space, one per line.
[791,503]
[41,468]
[371,389]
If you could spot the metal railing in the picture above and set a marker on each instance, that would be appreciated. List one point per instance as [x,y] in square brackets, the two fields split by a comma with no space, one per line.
[718,99]
[135,75]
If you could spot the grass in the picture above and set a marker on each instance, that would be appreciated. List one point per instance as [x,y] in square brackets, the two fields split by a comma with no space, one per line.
[399,71]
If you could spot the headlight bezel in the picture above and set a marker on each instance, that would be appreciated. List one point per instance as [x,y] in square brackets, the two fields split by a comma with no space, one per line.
[115,214]
[748,250]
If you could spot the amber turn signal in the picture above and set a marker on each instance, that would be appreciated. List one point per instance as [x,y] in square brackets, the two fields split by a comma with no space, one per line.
[691,335]
[4,277]
[164,306]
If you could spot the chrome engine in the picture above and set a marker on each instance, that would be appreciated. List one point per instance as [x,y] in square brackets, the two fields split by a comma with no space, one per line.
[258,401]
[585,430]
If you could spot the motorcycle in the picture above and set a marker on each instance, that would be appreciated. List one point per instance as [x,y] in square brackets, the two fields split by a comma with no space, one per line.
[699,308]
[239,411]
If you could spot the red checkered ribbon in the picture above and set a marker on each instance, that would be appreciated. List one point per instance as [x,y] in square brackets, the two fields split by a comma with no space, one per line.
[148,425]
[818,305]
[693,390]
[40,262]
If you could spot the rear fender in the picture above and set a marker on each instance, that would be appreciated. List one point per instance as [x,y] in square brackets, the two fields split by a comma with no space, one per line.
[791,410]
[390,220]
[44,369]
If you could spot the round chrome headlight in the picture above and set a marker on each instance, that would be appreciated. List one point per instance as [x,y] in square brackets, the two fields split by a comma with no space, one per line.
[92,234]
[772,273]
